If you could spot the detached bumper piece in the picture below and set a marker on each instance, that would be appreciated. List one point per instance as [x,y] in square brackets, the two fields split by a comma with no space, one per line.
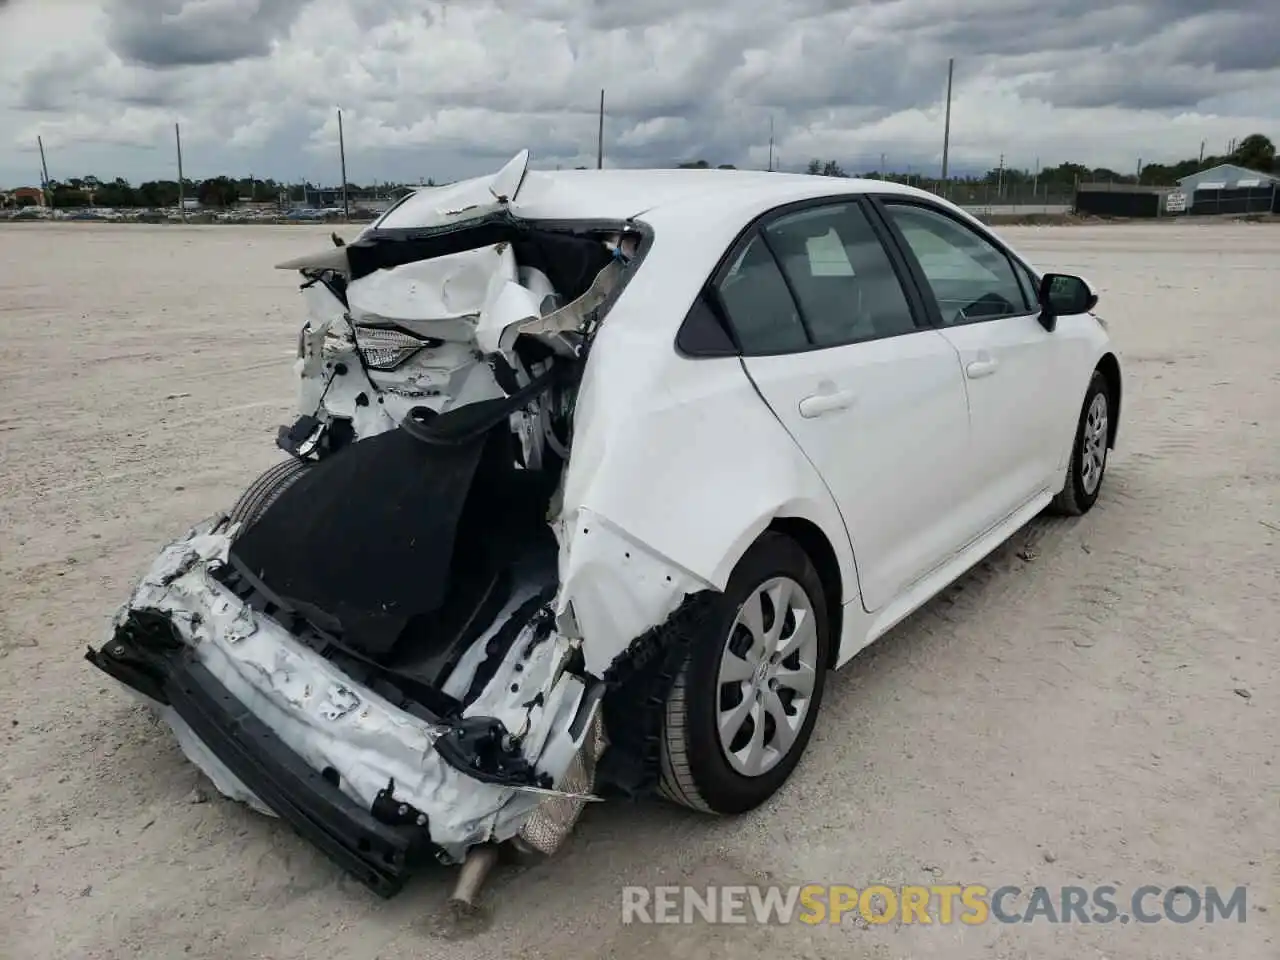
[379,854]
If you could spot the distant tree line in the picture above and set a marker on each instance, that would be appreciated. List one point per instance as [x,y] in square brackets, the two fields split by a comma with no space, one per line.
[217,192]
[1256,152]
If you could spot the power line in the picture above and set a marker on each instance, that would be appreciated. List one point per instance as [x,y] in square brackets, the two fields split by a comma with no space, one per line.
[44,172]
[946,129]
[342,154]
[600,135]
[182,201]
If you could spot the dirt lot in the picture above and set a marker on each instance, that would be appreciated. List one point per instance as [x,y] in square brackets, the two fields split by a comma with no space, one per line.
[1097,703]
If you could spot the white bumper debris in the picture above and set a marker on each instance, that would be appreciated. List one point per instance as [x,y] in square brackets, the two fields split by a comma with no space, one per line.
[332,723]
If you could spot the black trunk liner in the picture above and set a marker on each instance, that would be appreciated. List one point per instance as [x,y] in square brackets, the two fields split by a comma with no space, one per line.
[401,550]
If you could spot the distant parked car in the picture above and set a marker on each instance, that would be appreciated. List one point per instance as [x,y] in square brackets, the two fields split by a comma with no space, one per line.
[596,476]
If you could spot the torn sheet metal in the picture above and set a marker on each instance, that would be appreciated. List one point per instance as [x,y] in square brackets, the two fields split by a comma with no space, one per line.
[516,311]
[332,258]
[432,207]
[613,587]
[453,287]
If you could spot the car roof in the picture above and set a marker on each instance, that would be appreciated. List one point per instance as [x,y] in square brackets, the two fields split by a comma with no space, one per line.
[672,195]
[621,194]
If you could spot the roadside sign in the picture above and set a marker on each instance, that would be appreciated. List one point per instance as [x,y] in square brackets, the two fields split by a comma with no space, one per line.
[1176,202]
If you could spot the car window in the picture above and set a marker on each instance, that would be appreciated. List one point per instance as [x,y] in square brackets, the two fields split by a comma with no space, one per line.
[841,275]
[970,278]
[760,308]
[827,257]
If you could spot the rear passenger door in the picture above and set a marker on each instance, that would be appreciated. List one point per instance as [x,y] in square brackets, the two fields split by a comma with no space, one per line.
[983,302]
[839,347]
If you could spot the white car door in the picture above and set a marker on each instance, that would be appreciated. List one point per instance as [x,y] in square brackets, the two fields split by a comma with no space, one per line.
[840,350]
[1014,372]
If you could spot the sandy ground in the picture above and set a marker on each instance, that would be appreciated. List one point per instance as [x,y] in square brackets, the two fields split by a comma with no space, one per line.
[1097,703]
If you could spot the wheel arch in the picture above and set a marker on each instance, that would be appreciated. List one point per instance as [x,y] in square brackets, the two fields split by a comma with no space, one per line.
[822,555]
[1109,367]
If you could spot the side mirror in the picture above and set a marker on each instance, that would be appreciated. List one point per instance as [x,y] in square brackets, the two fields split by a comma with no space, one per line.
[1064,295]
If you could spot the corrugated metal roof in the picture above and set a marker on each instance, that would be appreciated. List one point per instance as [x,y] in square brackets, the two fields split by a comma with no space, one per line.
[1228,176]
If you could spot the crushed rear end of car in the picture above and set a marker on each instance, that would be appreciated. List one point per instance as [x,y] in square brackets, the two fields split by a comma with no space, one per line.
[377,643]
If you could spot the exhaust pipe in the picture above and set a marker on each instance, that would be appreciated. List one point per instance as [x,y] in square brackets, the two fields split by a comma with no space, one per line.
[462,917]
[475,869]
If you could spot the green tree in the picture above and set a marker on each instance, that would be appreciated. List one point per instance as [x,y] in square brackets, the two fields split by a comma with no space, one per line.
[220,192]
[68,194]
[827,168]
[116,193]
[158,193]
[1256,152]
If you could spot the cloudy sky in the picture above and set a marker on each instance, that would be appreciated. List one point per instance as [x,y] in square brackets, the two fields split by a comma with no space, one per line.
[450,89]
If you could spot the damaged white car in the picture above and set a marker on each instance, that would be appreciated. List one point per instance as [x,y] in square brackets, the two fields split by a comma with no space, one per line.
[596,476]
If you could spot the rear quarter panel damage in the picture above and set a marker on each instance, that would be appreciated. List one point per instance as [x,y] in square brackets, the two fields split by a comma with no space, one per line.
[677,465]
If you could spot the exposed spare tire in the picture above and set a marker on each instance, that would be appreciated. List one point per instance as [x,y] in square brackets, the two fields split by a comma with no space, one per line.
[265,490]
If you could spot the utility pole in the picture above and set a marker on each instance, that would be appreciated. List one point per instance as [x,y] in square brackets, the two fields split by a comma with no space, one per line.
[1201,163]
[883,173]
[946,129]
[182,196]
[44,173]
[600,135]
[1000,178]
[342,155]
[771,144]
[1035,180]
[1137,177]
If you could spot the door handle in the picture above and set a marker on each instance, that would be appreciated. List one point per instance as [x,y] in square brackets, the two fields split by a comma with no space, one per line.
[982,367]
[821,403]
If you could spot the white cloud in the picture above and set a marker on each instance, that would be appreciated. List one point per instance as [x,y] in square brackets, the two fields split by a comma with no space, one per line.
[450,89]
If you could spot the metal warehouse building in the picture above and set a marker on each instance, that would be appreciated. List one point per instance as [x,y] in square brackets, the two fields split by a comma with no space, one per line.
[1228,188]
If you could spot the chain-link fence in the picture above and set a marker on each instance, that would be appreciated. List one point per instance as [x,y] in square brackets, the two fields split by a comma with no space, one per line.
[1133,200]
[1240,200]
[1003,198]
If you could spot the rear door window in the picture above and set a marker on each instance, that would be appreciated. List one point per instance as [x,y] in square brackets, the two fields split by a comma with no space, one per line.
[841,275]
[759,306]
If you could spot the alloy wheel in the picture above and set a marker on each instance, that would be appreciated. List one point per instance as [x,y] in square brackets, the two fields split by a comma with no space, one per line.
[767,673]
[1093,444]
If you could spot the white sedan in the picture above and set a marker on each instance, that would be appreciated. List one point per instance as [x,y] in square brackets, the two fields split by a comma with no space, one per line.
[596,476]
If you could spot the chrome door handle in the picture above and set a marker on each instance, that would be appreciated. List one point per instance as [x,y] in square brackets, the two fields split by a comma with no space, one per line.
[981,368]
[821,403]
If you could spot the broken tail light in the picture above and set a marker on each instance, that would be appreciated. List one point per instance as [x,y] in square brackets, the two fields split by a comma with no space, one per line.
[385,348]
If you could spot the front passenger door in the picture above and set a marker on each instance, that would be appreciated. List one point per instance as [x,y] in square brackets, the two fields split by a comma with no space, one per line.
[841,353]
[1013,369]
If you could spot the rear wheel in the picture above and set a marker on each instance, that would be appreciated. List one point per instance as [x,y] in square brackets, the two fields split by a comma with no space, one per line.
[265,490]
[743,705]
[1088,452]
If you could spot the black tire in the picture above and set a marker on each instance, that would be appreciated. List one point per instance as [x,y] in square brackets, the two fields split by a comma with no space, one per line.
[1078,496]
[695,769]
[265,490]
